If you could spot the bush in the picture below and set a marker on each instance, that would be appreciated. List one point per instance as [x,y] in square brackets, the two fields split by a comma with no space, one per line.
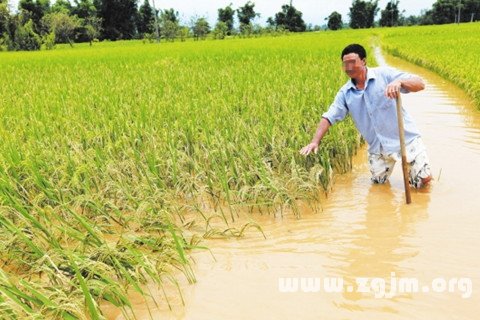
[49,41]
[26,38]
[6,43]
[148,37]
[220,31]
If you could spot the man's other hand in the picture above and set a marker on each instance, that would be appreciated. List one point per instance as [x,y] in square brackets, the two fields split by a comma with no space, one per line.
[393,89]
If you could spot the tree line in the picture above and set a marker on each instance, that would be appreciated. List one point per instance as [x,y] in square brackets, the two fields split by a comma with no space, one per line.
[39,23]
[362,13]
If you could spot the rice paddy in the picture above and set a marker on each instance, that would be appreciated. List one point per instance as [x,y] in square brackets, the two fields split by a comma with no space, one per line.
[450,50]
[117,159]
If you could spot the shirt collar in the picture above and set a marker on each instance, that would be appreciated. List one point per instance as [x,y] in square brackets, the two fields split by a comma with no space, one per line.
[370,75]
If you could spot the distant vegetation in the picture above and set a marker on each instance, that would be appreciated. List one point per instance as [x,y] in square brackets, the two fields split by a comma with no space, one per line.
[117,160]
[39,23]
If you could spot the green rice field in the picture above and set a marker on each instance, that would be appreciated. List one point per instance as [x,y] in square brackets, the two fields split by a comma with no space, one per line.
[450,50]
[117,160]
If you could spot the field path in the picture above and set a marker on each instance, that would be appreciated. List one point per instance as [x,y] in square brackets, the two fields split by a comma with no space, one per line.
[364,231]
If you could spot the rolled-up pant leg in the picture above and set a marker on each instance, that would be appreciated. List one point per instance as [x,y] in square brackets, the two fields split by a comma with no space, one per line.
[419,167]
[381,167]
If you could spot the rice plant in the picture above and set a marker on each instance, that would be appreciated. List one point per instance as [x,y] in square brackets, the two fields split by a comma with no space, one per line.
[450,50]
[116,160]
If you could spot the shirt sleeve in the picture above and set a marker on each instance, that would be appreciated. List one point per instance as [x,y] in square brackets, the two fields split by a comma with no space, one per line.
[395,74]
[338,109]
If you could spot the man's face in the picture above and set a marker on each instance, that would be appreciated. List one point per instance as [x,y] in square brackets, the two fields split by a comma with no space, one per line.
[353,65]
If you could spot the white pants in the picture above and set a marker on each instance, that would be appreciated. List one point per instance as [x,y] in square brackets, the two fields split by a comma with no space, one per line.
[381,164]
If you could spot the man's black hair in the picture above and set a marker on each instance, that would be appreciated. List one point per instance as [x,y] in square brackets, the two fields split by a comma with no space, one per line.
[354,48]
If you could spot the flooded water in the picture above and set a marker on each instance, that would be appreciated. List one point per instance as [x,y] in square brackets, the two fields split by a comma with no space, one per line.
[364,231]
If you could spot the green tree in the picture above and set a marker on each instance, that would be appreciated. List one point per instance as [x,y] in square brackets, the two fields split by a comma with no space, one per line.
[84,9]
[169,24]
[335,21]
[257,29]
[362,14]
[447,11]
[245,16]
[169,30]
[290,18]
[118,18]
[426,18]
[389,17]
[183,33]
[62,25]
[470,11]
[4,18]
[6,42]
[146,18]
[200,28]
[271,22]
[62,6]
[246,30]
[444,11]
[49,41]
[225,15]
[26,38]
[92,26]
[169,15]
[221,30]
[35,10]
[409,21]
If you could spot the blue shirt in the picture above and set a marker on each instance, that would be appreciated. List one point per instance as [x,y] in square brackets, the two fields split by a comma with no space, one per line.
[374,114]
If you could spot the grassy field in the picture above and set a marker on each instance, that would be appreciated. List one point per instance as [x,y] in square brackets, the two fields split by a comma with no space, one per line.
[111,153]
[450,50]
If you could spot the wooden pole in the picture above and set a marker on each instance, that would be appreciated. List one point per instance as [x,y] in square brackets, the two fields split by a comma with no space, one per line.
[401,133]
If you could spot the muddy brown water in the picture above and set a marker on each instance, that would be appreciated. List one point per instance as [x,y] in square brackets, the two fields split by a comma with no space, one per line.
[365,231]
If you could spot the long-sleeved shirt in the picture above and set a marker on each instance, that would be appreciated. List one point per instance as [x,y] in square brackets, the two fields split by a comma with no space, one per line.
[374,115]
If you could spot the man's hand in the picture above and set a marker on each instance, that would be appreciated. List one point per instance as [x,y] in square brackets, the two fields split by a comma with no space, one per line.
[312,146]
[393,89]
[321,130]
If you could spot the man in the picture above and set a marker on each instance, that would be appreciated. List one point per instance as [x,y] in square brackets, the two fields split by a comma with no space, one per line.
[369,97]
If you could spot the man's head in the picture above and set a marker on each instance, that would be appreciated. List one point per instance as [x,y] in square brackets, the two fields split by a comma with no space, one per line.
[354,60]
[354,48]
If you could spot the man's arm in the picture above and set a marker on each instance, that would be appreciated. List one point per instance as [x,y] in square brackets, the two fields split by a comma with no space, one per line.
[337,112]
[411,84]
[321,130]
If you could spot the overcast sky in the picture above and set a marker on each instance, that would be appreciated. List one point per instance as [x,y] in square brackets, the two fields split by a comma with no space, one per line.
[314,11]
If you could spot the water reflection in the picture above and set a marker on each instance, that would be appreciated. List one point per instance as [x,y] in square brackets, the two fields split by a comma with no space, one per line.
[380,239]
